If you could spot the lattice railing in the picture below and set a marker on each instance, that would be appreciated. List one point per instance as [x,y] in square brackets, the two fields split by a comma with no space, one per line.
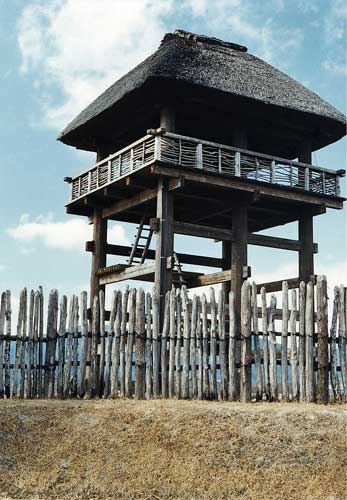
[188,152]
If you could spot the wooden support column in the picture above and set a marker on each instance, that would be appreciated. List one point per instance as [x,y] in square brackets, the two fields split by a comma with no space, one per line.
[306,260]
[306,253]
[99,252]
[238,264]
[164,248]
[226,256]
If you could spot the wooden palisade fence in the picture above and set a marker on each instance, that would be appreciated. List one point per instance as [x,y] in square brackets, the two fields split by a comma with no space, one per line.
[280,354]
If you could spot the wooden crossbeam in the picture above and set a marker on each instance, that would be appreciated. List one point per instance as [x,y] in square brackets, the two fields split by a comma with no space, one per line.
[276,286]
[195,260]
[268,191]
[143,272]
[210,279]
[138,199]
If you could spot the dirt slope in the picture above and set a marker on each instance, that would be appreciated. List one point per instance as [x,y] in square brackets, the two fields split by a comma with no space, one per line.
[171,450]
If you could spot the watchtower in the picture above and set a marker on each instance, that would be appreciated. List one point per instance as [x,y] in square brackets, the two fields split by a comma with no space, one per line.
[227,153]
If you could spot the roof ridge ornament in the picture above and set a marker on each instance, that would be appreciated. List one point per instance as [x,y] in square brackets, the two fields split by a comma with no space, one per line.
[208,40]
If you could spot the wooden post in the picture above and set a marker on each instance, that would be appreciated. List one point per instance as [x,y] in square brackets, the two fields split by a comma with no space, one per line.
[322,348]
[164,249]
[238,263]
[226,256]
[306,262]
[99,253]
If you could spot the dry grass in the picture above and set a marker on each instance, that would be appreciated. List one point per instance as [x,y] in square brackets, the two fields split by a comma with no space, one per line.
[171,450]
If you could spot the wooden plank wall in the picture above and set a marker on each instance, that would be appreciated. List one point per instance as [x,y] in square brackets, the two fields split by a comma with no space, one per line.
[288,354]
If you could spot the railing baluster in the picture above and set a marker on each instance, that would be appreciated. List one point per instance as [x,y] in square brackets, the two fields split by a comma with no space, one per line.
[120,165]
[323,182]
[157,147]
[199,159]
[238,164]
[179,151]
[291,175]
[220,160]
[79,186]
[273,172]
[143,152]
[256,168]
[307,178]
[337,186]
[131,159]
[109,171]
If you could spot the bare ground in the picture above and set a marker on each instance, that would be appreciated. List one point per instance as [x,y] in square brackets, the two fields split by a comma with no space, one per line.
[171,450]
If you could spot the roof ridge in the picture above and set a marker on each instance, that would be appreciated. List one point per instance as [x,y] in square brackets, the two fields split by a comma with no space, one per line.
[209,40]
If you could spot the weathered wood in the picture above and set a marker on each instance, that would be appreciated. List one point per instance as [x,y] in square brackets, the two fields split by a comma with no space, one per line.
[309,330]
[163,357]
[123,334]
[69,349]
[40,374]
[178,344]
[140,345]
[172,331]
[115,347]
[94,348]
[306,266]
[264,322]
[148,354]
[246,374]
[213,346]
[322,345]
[130,343]
[233,373]
[222,347]
[257,357]
[293,347]
[333,346]
[155,349]
[210,279]
[23,348]
[186,346]
[61,345]
[109,345]
[84,344]
[30,346]
[2,332]
[7,330]
[140,271]
[284,343]
[164,243]
[193,345]
[342,344]
[36,344]
[22,304]
[199,347]
[52,320]
[205,351]
[302,344]
[102,347]
[74,378]
[276,286]
[272,350]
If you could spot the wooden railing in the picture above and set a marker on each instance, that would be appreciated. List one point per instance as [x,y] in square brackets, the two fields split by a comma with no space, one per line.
[188,152]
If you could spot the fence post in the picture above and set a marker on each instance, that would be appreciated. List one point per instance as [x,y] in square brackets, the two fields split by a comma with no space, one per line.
[52,324]
[61,346]
[322,348]
[213,350]
[293,347]
[272,350]
[302,356]
[246,381]
[284,344]
[140,345]
[155,347]
[257,359]
[172,343]
[333,361]
[94,349]
[309,327]
[264,324]
[232,349]
[342,344]
[185,370]
[84,344]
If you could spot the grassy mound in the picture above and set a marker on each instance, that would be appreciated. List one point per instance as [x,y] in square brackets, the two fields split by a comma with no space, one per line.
[171,450]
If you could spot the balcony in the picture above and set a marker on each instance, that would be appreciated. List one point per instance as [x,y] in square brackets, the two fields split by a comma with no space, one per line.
[184,152]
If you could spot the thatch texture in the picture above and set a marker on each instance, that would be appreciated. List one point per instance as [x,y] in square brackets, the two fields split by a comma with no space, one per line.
[219,68]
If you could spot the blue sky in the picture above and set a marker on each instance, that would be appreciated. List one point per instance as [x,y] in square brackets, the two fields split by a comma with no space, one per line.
[56,56]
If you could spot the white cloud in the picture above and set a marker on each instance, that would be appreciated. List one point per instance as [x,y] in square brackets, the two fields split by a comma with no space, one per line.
[74,53]
[80,51]
[68,235]
[335,33]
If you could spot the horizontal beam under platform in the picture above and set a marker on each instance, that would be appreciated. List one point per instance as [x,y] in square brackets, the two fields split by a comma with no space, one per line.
[114,274]
[270,191]
[227,235]
[138,199]
[184,258]
[276,286]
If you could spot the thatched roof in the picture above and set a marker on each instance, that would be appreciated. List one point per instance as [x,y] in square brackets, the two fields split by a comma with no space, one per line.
[217,67]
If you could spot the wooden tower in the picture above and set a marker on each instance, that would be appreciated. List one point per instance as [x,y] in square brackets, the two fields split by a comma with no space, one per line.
[202,139]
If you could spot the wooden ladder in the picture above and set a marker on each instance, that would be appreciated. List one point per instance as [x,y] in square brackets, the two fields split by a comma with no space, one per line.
[141,244]
[178,278]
